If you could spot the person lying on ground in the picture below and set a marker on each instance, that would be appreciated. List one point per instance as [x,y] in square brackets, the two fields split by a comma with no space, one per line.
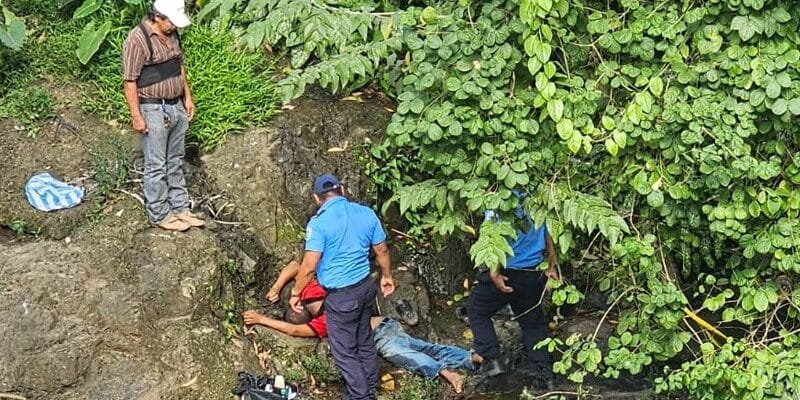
[393,343]
[310,322]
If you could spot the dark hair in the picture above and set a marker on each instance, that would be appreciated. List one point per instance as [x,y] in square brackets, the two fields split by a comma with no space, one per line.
[331,193]
[294,317]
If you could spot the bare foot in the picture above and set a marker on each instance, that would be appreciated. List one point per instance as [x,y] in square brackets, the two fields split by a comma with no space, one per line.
[454,379]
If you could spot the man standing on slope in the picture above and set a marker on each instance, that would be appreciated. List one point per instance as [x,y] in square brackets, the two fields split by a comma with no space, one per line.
[522,285]
[161,107]
[338,239]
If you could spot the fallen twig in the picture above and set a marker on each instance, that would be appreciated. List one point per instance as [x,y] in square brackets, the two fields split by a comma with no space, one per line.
[401,233]
[703,324]
[559,392]
[190,382]
[229,222]
[134,195]
[11,396]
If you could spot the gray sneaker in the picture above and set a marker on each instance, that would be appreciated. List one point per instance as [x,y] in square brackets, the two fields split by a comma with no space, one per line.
[492,367]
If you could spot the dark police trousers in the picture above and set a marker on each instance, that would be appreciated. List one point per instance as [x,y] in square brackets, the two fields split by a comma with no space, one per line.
[485,300]
[349,333]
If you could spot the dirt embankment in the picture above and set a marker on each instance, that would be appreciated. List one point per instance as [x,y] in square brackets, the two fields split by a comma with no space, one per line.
[97,304]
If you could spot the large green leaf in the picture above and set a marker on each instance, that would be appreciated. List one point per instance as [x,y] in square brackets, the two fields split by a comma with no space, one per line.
[12,32]
[87,8]
[90,40]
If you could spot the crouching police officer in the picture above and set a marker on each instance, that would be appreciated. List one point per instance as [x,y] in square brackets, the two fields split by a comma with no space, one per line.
[338,240]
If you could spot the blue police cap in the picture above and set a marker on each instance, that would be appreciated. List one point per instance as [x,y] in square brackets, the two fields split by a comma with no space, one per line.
[325,183]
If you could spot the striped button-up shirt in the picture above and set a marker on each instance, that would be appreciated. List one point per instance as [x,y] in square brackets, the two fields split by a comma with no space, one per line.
[135,55]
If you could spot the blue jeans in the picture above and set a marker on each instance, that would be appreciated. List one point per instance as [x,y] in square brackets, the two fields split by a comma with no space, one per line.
[163,149]
[417,355]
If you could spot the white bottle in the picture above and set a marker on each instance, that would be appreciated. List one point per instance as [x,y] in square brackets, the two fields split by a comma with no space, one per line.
[279,382]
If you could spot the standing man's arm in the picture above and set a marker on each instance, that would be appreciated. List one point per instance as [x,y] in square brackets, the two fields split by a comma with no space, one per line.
[385,261]
[552,258]
[132,97]
[383,257]
[307,268]
[133,59]
[188,102]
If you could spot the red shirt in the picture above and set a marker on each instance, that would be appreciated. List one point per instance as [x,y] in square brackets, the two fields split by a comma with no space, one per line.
[311,293]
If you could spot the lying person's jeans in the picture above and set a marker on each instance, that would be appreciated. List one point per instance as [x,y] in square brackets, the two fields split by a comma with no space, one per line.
[417,355]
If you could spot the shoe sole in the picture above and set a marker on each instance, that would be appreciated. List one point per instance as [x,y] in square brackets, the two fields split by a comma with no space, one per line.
[174,229]
[193,224]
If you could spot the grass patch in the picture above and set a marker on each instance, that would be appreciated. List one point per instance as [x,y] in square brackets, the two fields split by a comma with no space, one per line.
[413,387]
[49,52]
[30,103]
[320,366]
[104,78]
[231,88]
[47,55]
[22,228]
[111,165]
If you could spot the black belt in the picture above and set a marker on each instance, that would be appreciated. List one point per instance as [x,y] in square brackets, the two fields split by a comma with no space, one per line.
[143,100]
[334,290]
[506,269]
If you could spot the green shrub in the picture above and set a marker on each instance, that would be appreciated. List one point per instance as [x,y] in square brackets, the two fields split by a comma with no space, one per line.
[38,8]
[30,103]
[231,88]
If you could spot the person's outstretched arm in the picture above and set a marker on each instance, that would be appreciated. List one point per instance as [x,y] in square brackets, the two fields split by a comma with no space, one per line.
[307,269]
[296,330]
[287,274]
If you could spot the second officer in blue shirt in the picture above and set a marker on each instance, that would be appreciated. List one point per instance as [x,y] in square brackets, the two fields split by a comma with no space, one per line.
[521,284]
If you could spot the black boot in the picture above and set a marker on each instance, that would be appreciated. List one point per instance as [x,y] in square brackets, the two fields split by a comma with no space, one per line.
[542,376]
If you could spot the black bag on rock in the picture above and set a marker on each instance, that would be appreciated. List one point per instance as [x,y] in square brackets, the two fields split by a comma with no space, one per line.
[257,387]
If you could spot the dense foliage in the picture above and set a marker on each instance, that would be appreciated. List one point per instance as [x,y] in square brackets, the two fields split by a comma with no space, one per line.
[655,139]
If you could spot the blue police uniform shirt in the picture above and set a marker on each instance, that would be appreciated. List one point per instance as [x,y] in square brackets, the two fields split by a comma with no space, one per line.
[529,246]
[343,232]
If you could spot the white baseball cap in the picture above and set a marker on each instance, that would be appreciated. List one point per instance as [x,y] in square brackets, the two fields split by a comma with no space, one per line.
[174,10]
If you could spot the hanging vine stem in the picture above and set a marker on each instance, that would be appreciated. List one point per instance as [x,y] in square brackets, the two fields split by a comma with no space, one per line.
[608,310]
